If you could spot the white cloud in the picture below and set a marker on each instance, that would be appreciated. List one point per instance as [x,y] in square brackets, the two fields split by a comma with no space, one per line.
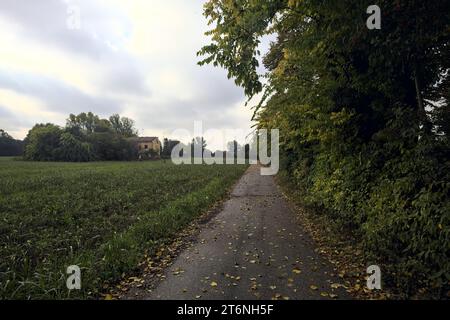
[136,57]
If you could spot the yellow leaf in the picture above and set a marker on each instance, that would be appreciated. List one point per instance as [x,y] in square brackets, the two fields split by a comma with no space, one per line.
[213,284]
[108,297]
[336,285]
[296,271]
[313,287]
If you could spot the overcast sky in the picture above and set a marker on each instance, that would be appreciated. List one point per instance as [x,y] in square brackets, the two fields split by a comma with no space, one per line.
[137,58]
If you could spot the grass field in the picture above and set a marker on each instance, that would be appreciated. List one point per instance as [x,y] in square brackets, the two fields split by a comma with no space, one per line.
[102,217]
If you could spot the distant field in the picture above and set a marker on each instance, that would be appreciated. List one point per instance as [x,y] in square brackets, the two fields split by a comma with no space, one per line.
[100,216]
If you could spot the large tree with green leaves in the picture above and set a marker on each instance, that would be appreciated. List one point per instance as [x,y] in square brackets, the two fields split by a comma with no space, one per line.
[363,116]
[123,126]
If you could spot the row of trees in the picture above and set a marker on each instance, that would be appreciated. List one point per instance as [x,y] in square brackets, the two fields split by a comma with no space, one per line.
[363,115]
[199,143]
[9,146]
[86,137]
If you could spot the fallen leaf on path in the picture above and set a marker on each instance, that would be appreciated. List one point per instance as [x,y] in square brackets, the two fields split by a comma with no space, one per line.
[336,285]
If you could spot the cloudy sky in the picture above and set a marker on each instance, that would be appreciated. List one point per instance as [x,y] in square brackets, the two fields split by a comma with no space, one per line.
[136,58]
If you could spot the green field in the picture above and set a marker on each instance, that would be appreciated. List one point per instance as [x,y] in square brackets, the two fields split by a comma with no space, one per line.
[100,216]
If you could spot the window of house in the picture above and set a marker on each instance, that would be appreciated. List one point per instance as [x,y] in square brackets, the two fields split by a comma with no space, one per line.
[146,146]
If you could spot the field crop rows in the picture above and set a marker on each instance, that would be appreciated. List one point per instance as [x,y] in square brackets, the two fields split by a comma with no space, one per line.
[100,216]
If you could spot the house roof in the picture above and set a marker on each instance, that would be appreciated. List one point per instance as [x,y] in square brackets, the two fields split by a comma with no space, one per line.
[146,139]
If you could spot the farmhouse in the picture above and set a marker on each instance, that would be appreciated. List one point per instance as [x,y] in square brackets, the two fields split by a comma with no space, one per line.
[148,145]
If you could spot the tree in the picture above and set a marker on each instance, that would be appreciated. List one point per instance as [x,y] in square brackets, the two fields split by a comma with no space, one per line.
[73,150]
[198,144]
[86,122]
[351,106]
[86,137]
[168,146]
[111,146]
[42,142]
[123,126]
[9,146]
[234,148]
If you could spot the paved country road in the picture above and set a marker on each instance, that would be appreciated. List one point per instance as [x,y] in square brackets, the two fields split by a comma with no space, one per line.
[254,248]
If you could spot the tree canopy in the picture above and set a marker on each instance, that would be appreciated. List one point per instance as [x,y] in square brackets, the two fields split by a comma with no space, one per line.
[9,146]
[363,116]
[86,137]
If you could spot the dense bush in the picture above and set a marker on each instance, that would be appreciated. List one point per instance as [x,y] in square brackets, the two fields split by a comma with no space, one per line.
[73,150]
[112,146]
[363,118]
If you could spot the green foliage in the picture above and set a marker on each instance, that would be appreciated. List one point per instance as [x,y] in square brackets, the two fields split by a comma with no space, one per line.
[73,150]
[148,154]
[168,146]
[123,126]
[86,137]
[9,146]
[88,123]
[363,118]
[102,216]
[42,142]
[236,38]
[111,146]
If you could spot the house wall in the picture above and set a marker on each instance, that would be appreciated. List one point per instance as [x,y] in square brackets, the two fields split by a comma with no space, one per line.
[155,145]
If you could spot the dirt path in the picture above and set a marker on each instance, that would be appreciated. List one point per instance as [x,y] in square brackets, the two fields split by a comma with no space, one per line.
[253,249]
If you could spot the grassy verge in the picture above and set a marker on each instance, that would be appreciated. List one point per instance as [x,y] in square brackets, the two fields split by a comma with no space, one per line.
[102,217]
[340,247]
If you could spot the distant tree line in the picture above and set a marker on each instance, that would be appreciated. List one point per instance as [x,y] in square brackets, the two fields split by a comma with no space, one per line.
[9,146]
[234,149]
[86,137]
